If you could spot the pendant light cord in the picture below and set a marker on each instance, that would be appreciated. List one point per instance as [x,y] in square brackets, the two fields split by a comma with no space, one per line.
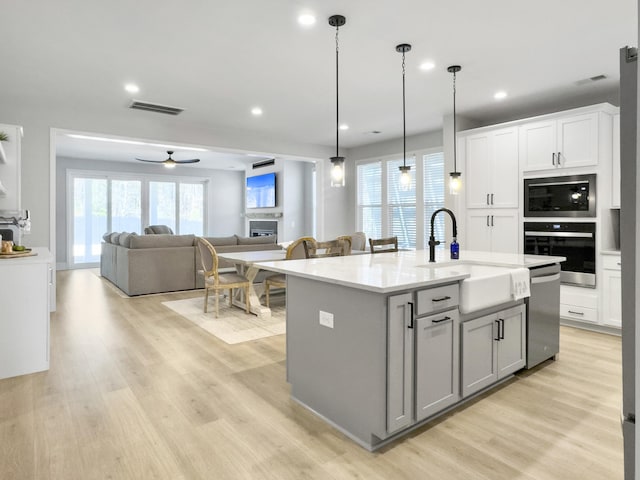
[404,120]
[455,141]
[337,100]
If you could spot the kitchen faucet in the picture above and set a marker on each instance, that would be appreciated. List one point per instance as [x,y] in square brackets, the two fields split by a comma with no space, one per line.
[432,239]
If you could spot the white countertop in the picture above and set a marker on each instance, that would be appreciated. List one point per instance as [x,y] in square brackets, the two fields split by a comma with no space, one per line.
[254,256]
[390,272]
[610,252]
[43,256]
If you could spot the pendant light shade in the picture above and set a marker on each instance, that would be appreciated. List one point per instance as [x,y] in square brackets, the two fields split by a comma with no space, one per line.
[405,170]
[455,177]
[337,162]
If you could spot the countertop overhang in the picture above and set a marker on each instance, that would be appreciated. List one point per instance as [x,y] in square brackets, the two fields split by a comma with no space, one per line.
[404,270]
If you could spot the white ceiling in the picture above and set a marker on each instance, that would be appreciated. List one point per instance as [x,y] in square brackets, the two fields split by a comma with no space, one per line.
[217,59]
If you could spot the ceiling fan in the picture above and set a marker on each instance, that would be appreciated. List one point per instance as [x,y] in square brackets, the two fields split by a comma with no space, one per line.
[170,162]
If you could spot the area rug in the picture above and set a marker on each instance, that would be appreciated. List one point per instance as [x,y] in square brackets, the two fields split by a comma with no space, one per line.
[233,325]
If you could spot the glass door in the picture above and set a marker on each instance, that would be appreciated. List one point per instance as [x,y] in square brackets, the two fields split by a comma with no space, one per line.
[90,206]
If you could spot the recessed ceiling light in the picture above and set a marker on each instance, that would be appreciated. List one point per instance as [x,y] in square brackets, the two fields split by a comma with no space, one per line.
[306,19]
[428,65]
[256,111]
[344,126]
[500,95]
[132,88]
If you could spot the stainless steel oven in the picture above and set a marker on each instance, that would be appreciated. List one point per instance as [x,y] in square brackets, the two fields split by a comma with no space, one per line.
[575,240]
[569,196]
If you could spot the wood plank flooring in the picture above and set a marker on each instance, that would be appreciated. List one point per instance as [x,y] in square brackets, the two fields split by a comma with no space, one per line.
[137,392]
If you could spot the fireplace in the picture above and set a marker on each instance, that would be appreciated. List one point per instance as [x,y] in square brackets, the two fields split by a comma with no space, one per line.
[259,228]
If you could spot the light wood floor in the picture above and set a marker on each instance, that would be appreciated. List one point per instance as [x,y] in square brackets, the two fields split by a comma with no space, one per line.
[136,391]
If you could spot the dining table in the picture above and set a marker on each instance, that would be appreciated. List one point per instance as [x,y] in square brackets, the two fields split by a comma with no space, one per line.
[245,264]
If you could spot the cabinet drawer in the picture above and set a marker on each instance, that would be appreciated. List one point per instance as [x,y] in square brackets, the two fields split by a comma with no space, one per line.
[583,297]
[436,299]
[611,262]
[579,313]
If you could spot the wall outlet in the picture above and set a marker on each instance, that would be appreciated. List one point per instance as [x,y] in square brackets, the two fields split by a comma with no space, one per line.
[326,319]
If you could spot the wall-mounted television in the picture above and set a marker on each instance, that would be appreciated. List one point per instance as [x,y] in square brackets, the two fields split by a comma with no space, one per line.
[261,191]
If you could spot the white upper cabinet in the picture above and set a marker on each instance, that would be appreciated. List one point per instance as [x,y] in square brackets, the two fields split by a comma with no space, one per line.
[492,169]
[563,142]
[615,166]
[10,168]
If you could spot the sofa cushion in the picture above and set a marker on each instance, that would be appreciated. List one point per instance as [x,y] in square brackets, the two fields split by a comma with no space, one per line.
[106,237]
[220,241]
[161,241]
[125,239]
[157,229]
[263,239]
[113,237]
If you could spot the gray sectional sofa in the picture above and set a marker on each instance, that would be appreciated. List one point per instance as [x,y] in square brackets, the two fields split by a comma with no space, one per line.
[142,264]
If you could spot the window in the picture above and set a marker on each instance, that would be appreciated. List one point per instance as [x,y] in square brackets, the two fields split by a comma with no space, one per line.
[109,203]
[401,204]
[370,199]
[192,208]
[384,209]
[126,206]
[162,204]
[433,188]
[89,218]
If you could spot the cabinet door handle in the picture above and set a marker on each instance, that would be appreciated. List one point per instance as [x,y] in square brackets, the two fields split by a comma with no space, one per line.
[441,320]
[553,159]
[411,322]
[558,158]
[576,313]
[501,329]
[492,199]
[492,220]
[498,337]
[441,299]
[488,199]
[619,264]
[488,221]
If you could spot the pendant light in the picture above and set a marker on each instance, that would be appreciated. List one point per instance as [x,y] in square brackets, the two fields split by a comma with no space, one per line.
[337,162]
[455,182]
[405,170]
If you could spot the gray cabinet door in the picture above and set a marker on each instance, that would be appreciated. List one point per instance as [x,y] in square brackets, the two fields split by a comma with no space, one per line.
[437,363]
[512,352]
[399,362]
[479,353]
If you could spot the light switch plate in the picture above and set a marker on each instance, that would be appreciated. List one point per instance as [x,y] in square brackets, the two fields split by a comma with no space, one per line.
[326,319]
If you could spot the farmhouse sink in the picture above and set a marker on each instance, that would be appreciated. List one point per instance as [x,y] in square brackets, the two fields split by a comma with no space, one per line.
[485,287]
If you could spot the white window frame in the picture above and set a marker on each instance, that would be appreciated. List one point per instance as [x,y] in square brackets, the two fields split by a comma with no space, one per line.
[145,179]
[421,228]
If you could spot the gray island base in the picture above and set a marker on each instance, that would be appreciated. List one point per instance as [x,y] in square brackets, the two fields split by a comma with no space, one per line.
[377,360]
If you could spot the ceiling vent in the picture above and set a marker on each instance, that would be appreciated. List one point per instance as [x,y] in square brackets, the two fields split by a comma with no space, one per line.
[264,163]
[153,107]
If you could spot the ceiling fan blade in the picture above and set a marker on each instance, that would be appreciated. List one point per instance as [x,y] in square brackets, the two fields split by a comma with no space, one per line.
[193,160]
[150,161]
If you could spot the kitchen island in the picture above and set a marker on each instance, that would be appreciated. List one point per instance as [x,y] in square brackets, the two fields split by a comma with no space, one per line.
[377,345]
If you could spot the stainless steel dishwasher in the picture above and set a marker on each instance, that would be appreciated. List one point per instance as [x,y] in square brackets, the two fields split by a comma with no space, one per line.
[543,315]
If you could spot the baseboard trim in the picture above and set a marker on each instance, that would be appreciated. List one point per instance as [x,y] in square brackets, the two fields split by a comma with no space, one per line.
[591,327]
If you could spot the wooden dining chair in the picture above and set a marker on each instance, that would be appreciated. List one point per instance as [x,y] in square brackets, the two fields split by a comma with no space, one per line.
[213,280]
[331,248]
[347,243]
[295,250]
[383,245]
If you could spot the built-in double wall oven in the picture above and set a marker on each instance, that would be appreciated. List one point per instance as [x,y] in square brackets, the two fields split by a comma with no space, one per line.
[565,199]
[576,241]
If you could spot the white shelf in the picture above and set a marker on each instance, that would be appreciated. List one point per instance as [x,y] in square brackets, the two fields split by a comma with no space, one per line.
[3,157]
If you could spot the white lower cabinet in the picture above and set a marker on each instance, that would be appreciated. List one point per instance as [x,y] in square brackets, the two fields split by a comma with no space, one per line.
[612,292]
[493,346]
